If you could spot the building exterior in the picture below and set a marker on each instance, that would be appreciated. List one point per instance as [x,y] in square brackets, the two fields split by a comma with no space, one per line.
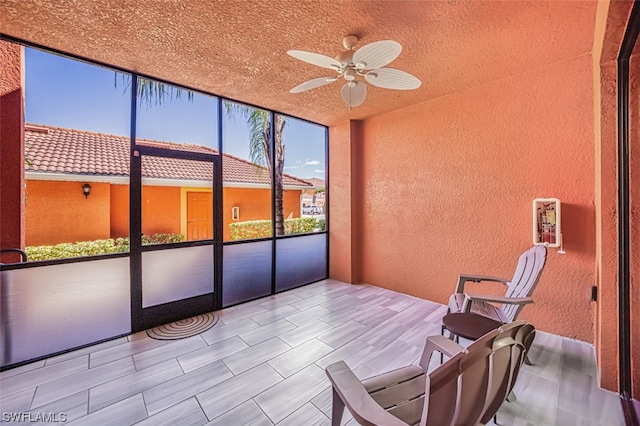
[60,161]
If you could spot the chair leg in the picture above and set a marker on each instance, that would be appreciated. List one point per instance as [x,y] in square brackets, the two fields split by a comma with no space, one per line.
[527,360]
[337,409]
[511,397]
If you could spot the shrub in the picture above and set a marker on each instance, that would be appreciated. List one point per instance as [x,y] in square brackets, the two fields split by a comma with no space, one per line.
[96,247]
[250,230]
[253,229]
[162,238]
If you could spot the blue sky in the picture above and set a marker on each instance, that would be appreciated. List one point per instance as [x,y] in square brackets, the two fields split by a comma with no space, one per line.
[67,93]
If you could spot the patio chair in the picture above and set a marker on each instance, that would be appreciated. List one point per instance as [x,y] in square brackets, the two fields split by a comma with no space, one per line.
[467,389]
[519,289]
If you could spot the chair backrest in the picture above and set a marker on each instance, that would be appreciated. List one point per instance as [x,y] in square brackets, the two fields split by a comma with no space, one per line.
[471,388]
[526,277]
[507,360]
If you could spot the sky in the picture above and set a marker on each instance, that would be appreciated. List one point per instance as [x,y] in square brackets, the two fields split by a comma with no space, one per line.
[67,93]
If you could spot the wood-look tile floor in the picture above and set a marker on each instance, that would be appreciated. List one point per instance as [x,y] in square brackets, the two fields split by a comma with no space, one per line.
[263,364]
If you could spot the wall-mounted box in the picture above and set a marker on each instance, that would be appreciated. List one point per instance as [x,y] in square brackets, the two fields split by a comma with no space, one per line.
[546,222]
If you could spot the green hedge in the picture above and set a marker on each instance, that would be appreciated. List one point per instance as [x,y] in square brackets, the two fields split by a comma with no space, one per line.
[96,247]
[253,229]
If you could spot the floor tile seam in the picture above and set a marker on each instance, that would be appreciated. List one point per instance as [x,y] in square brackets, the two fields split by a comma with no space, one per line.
[190,394]
[20,389]
[330,404]
[262,410]
[540,376]
[276,384]
[281,421]
[174,357]
[197,402]
[250,368]
[129,354]
[262,341]
[237,405]
[4,375]
[207,363]
[87,350]
[88,389]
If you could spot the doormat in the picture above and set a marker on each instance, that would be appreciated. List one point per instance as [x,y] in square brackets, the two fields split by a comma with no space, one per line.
[184,328]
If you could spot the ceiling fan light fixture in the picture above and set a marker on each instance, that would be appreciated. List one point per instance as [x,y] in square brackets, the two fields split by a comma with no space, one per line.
[350,74]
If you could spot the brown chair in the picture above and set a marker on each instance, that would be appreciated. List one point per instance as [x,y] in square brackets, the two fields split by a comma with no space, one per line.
[467,389]
[519,289]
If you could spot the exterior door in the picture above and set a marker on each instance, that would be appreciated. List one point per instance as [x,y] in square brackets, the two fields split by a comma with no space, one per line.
[173,275]
[199,216]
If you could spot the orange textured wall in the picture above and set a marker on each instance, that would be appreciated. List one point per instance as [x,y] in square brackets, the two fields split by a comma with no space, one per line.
[447,187]
[119,211]
[160,210]
[58,212]
[344,261]
[11,149]
[611,21]
[255,204]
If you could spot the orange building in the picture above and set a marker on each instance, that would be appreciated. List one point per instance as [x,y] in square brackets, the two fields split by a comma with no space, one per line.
[174,192]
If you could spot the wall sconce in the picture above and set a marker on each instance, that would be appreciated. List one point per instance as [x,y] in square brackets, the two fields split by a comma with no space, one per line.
[235,213]
[86,190]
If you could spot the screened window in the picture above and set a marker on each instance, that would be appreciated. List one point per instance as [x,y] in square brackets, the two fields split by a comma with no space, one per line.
[77,158]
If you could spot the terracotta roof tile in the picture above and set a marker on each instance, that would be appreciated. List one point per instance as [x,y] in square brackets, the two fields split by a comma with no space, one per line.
[60,150]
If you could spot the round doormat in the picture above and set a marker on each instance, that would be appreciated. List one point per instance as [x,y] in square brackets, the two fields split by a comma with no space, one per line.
[184,328]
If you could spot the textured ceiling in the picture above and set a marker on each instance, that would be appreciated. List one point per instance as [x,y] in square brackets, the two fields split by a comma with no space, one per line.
[237,49]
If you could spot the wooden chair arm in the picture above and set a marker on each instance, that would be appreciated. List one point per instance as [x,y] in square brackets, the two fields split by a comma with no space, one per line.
[463,278]
[362,406]
[441,344]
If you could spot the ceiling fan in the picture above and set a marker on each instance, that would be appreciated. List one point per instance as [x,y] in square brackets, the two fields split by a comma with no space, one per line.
[366,62]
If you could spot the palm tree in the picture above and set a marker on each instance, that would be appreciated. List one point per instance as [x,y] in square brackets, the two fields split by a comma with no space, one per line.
[260,149]
[259,121]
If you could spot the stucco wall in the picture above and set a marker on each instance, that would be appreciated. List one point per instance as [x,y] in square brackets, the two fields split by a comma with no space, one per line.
[58,212]
[447,187]
[255,204]
[119,211]
[160,211]
[11,151]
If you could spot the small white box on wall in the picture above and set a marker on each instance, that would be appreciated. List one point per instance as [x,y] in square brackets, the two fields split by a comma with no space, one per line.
[546,222]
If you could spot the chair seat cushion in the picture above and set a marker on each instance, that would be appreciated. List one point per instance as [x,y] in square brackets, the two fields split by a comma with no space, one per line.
[486,309]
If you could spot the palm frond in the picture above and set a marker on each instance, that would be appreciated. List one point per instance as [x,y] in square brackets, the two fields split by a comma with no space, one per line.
[258,121]
[152,92]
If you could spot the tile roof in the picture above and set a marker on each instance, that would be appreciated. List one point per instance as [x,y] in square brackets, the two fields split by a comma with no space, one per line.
[59,150]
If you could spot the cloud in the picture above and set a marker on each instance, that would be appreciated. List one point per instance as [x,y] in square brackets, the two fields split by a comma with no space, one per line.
[291,167]
[319,171]
[311,163]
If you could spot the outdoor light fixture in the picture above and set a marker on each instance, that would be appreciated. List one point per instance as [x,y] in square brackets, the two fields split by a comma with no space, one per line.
[86,189]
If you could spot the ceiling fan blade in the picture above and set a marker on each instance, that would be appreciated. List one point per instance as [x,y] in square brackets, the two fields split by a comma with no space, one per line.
[377,54]
[312,84]
[316,59]
[389,78]
[354,92]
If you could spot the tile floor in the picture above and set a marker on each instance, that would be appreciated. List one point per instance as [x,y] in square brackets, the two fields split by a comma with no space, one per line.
[263,364]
